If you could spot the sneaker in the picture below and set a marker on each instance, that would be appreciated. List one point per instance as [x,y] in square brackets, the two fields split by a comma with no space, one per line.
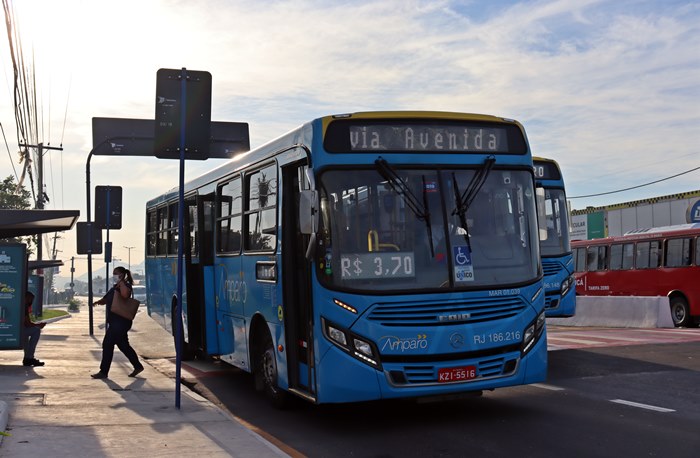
[32,362]
[99,375]
[36,362]
[26,362]
[136,371]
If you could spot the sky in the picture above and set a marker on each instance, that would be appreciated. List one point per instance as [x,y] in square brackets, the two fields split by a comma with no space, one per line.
[608,88]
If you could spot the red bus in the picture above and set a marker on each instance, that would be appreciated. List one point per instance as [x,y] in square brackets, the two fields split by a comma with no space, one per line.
[663,261]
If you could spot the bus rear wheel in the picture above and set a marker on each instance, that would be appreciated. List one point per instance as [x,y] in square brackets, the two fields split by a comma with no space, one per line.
[680,312]
[266,368]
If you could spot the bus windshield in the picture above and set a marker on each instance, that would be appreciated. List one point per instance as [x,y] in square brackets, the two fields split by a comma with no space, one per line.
[425,228]
[557,242]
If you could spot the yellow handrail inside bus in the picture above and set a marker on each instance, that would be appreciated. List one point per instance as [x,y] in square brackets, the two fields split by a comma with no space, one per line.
[374,245]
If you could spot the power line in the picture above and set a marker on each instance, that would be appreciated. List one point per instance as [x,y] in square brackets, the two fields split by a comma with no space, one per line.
[9,153]
[635,187]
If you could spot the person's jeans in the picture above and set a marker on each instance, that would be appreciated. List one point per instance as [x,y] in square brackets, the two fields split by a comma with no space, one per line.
[30,341]
[117,334]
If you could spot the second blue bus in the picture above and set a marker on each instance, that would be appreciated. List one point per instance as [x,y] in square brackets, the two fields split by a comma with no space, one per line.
[557,257]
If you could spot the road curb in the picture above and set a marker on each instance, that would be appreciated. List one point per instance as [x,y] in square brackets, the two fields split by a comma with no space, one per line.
[4,415]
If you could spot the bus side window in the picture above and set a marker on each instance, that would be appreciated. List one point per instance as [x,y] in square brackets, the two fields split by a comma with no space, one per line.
[616,257]
[580,260]
[172,229]
[592,259]
[655,254]
[152,231]
[162,242]
[677,253]
[597,258]
[642,261]
[229,217]
[627,256]
[602,258]
[648,255]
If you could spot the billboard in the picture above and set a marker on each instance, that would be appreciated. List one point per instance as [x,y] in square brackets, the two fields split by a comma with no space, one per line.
[13,284]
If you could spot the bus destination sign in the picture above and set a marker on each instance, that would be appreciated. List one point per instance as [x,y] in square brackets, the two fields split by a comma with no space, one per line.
[545,170]
[428,137]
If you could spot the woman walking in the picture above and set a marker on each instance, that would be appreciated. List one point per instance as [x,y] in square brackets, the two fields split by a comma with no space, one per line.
[117,326]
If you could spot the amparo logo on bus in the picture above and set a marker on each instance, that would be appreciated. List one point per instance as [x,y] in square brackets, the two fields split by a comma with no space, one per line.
[403,344]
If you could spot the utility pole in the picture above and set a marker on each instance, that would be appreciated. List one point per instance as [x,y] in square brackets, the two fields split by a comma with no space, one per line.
[129,248]
[40,195]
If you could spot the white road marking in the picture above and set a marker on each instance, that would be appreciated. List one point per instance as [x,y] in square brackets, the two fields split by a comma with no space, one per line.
[548,387]
[608,337]
[579,341]
[642,406]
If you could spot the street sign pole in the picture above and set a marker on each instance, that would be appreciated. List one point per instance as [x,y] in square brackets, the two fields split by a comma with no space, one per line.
[181,235]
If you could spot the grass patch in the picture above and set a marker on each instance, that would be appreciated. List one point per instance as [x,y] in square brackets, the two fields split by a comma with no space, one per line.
[48,314]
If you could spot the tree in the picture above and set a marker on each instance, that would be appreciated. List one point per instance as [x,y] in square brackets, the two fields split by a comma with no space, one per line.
[15,197]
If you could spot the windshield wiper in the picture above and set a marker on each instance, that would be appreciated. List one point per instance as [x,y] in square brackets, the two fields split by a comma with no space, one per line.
[464,200]
[399,186]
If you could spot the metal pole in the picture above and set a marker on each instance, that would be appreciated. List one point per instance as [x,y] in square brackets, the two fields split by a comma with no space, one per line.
[40,200]
[181,232]
[72,273]
[89,253]
[129,248]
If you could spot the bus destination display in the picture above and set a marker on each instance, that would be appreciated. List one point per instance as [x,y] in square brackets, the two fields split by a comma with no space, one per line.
[427,137]
[546,170]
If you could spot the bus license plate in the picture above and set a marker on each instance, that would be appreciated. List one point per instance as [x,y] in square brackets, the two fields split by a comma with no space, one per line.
[456,374]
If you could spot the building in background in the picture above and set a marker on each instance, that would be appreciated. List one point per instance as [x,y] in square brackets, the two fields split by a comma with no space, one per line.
[618,219]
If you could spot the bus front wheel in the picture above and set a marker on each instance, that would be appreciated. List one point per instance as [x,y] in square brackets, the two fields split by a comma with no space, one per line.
[680,313]
[266,368]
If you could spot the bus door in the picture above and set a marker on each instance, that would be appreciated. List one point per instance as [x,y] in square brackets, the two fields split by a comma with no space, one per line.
[199,228]
[296,285]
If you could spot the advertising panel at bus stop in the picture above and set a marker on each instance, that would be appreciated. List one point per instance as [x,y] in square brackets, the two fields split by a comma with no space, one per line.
[13,274]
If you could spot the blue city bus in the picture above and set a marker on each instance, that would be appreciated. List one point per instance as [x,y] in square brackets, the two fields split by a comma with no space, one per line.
[361,257]
[557,257]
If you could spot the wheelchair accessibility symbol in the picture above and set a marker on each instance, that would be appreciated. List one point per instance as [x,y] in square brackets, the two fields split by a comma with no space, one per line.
[464,271]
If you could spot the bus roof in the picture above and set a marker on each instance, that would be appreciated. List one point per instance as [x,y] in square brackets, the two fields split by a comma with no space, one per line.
[644,234]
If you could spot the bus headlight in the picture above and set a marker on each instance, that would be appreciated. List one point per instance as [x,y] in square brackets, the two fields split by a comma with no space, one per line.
[361,349]
[532,333]
[566,285]
[337,335]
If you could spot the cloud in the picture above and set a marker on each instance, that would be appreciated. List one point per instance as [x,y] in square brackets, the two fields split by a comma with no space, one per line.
[608,88]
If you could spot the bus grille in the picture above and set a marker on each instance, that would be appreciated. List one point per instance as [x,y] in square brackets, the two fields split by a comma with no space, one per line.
[440,313]
[551,267]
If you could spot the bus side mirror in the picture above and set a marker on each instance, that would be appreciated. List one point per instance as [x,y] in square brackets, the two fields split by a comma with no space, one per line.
[541,212]
[308,211]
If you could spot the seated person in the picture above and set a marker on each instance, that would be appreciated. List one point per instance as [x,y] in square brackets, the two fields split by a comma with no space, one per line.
[32,333]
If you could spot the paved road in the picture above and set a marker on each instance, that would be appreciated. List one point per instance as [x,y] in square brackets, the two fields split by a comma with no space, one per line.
[614,393]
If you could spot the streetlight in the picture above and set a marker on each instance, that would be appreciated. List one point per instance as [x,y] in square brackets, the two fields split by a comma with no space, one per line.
[129,248]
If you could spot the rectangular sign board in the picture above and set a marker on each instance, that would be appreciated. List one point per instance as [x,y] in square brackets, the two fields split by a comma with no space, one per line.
[86,246]
[183,113]
[108,207]
[122,137]
[13,285]
[134,137]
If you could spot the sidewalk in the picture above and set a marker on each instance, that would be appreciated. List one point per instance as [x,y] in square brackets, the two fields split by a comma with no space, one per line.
[59,410]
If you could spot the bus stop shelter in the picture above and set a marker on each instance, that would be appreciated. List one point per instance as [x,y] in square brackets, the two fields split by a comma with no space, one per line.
[18,223]
[14,265]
